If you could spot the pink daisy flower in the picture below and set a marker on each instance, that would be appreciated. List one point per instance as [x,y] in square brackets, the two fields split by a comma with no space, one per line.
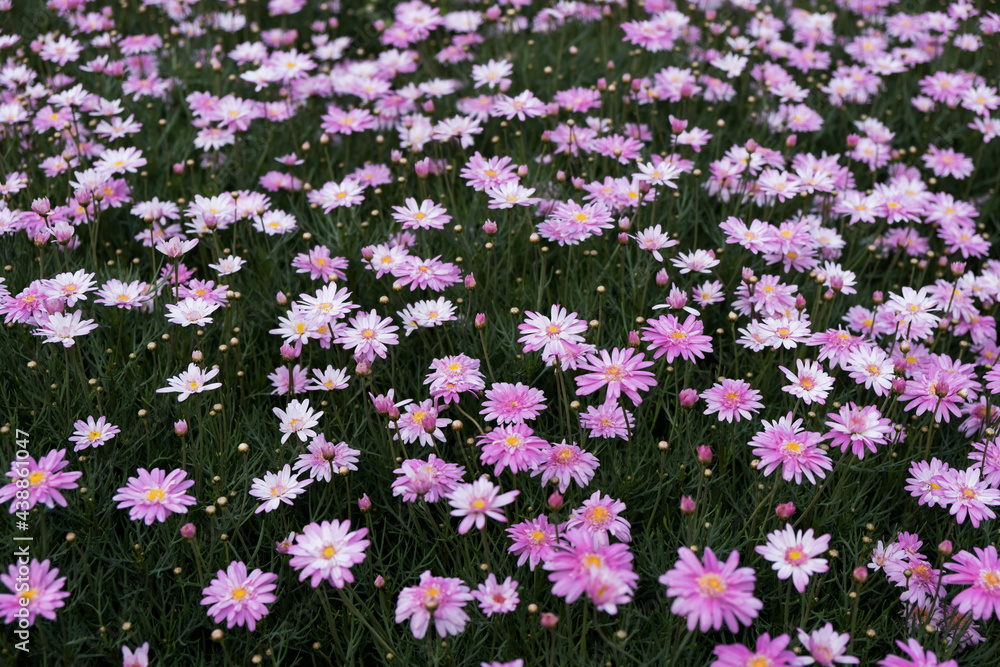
[968,495]
[140,658]
[534,541]
[442,598]
[238,597]
[621,371]
[478,500]
[809,382]
[326,458]
[551,334]
[732,399]
[712,593]
[794,555]
[328,551]
[497,598]
[369,334]
[609,420]
[512,403]
[420,423]
[666,335]
[426,215]
[826,647]
[600,516]
[858,428]
[154,495]
[44,481]
[577,561]
[767,652]
[916,656]
[566,463]
[43,595]
[278,487]
[429,480]
[981,573]
[783,442]
[514,446]
[92,433]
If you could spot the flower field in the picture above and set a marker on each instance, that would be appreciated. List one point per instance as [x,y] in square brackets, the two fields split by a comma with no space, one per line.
[527,333]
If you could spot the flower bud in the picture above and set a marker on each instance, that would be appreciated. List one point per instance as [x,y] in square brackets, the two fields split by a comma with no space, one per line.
[379,581]
[624,224]
[800,302]
[623,238]
[555,501]
[470,281]
[860,574]
[957,268]
[281,298]
[364,503]
[367,253]
[364,368]
[284,545]
[677,125]
[197,356]
[422,167]
[877,297]
[785,510]
[188,531]
[662,279]
[490,228]
[522,170]
[480,320]
[898,385]
[549,620]
[633,339]
[290,352]
[180,427]
[688,397]
[704,454]
[687,505]
[945,548]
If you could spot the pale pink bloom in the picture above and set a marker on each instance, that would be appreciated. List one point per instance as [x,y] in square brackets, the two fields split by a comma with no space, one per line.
[192,381]
[327,551]
[478,500]
[442,598]
[277,488]
[497,598]
[794,554]
[238,597]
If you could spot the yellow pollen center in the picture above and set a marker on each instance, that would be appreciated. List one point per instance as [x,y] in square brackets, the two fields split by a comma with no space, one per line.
[28,594]
[592,560]
[538,536]
[711,585]
[155,495]
[94,435]
[793,446]
[36,477]
[239,593]
[329,552]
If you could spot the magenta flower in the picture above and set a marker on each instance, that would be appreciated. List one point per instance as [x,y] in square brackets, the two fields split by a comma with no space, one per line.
[981,573]
[368,335]
[609,420]
[429,480]
[769,652]
[443,598]
[621,371]
[858,428]
[140,658]
[793,554]
[43,595]
[713,593]
[600,516]
[92,433]
[785,443]
[666,335]
[327,551]
[577,561]
[916,656]
[239,598]
[534,541]
[968,495]
[512,403]
[732,399]
[497,598]
[566,463]
[515,447]
[153,496]
[826,646]
[41,479]
[478,500]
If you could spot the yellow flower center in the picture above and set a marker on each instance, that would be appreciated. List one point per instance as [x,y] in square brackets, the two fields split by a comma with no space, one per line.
[711,585]
[36,477]
[329,552]
[155,495]
[239,593]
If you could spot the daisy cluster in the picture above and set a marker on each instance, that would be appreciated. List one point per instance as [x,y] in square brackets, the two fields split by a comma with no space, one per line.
[563,331]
